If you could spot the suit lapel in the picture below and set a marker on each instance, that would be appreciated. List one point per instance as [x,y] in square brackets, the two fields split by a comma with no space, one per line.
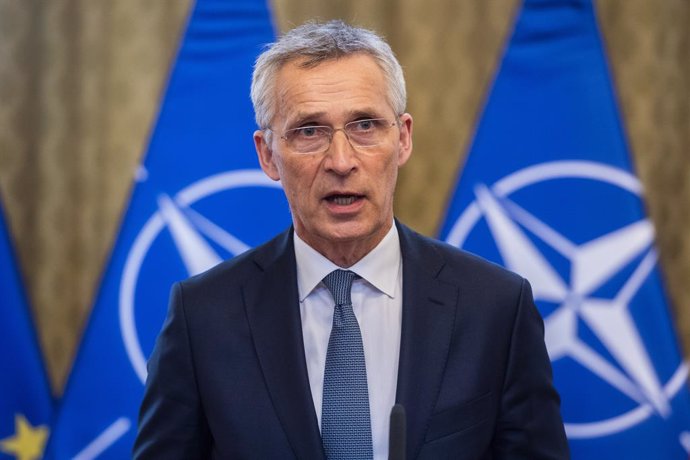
[429,309]
[272,304]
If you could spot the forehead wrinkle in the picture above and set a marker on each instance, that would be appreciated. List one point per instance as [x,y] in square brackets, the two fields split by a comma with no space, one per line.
[319,96]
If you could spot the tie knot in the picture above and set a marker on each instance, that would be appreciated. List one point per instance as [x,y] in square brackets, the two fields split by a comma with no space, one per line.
[339,282]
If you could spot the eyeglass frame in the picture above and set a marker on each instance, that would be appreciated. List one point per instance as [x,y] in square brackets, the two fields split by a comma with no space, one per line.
[332,132]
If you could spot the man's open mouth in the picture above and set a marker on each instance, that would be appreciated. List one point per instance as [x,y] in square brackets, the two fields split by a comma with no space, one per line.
[343,200]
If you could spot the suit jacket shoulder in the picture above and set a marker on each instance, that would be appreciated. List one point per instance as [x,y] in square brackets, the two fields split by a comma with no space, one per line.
[474,375]
[227,378]
[237,270]
[468,272]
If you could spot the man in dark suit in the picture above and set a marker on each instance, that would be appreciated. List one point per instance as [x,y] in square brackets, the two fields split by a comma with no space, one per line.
[300,347]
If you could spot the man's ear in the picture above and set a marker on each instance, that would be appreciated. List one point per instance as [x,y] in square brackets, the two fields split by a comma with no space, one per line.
[405,141]
[265,153]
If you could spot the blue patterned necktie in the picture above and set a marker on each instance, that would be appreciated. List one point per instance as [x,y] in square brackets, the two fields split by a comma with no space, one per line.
[345,417]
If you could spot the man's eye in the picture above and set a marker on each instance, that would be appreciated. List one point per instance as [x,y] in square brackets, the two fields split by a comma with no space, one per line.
[365,125]
[307,131]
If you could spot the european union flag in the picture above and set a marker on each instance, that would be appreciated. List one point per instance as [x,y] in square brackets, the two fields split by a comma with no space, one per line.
[25,401]
[199,198]
[548,191]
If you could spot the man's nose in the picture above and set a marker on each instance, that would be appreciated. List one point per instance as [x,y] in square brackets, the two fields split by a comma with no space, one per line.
[341,156]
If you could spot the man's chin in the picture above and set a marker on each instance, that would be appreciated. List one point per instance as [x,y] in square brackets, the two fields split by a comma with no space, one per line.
[353,232]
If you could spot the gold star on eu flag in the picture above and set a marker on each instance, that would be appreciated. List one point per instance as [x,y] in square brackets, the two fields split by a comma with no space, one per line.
[28,440]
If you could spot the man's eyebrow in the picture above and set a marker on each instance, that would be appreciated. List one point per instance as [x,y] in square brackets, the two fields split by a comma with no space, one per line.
[317,117]
[363,113]
[303,117]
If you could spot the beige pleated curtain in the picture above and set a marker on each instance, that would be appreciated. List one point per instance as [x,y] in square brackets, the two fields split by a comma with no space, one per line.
[81,80]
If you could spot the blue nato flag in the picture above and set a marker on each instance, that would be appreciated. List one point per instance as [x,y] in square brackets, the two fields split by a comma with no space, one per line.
[549,191]
[199,197]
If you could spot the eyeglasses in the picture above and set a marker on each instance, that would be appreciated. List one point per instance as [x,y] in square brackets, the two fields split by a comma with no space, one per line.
[362,134]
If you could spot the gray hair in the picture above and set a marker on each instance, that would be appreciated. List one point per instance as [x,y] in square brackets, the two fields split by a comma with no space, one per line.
[315,43]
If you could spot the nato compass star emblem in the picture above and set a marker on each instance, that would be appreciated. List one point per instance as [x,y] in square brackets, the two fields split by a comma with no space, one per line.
[588,319]
[195,237]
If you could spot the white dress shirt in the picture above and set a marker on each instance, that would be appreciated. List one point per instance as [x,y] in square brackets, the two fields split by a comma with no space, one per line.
[377,304]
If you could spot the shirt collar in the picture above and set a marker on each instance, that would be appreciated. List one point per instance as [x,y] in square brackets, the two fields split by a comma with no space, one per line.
[380,267]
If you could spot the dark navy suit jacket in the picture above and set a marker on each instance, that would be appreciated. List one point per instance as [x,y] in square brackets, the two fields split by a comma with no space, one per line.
[228,378]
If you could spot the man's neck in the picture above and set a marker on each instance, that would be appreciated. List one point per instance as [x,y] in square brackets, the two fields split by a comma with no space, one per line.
[345,253]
